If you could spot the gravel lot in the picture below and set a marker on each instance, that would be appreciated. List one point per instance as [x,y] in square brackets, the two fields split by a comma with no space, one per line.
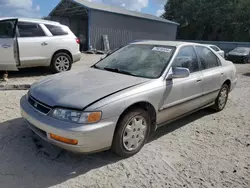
[30,75]
[205,149]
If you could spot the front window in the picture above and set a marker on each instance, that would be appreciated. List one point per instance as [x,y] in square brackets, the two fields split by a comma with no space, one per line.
[148,61]
[186,58]
[7,29]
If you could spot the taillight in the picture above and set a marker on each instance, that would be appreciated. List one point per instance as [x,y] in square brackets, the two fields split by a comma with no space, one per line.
[78,41]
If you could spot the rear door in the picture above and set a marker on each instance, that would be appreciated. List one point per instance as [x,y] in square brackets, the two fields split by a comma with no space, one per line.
[8,45]
[33,43]
[211,72]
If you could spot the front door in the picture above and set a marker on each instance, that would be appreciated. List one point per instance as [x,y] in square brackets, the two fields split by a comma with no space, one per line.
[182,94]
[8,45]
[211,72]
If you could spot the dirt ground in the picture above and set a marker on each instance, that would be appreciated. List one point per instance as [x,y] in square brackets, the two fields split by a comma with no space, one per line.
[205,149]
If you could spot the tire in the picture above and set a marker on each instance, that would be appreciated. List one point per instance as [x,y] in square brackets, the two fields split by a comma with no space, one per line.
[220,102]
[245,60]
[61,62]
[128,128]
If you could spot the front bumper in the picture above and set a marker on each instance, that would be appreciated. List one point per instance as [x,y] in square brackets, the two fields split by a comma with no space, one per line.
[76,57]
[235,59]
[233,84]
[91,138]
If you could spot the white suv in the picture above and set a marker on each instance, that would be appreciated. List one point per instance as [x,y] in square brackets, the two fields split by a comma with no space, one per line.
[26,42]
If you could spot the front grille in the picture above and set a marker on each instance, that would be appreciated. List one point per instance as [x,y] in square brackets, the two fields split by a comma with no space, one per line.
[38,106]
[38,131]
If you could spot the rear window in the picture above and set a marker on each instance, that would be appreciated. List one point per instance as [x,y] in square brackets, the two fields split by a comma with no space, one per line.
[57,30]
[215,48]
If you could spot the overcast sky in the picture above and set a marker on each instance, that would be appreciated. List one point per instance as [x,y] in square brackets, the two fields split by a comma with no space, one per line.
[38,8]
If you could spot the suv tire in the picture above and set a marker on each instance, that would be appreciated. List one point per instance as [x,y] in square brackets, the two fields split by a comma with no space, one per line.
[61,62]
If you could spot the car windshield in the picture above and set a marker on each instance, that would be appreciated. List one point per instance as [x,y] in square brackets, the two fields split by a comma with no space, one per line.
[241,50]
[148,61]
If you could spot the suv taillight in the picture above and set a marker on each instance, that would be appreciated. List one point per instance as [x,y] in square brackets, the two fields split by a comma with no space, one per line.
[78,41]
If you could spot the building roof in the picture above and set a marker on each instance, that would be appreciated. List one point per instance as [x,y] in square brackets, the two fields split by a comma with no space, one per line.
[30,20]
[117,10]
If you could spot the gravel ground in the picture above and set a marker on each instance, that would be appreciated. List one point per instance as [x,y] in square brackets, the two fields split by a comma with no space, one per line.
[30,75]
[205,149]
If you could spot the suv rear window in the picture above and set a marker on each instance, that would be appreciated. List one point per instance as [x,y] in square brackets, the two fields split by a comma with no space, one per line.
[56,30]
[27,29]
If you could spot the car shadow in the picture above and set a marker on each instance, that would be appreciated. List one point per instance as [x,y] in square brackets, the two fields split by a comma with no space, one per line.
[29,161]
[28,72]
[246,74]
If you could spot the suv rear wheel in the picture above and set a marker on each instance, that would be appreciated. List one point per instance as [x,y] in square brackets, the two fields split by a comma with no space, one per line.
[61,62]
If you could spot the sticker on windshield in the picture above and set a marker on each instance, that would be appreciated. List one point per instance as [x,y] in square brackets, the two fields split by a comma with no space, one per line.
[161,49]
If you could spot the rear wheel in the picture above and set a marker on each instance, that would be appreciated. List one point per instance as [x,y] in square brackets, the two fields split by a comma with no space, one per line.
[131,133]
[61,62]
[221,100]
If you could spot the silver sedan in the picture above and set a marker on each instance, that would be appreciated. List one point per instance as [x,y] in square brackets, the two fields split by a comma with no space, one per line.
[118,102]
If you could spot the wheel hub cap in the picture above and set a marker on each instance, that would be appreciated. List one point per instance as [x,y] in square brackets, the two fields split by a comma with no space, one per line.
[223,97]
[134,133]
[62,63]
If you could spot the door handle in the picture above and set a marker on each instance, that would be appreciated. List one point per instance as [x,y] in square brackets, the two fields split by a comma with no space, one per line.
[199,80]
[6,46]
[44,44]
[222,73]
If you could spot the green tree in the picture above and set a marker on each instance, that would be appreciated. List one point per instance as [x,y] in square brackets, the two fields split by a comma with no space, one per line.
[210,20]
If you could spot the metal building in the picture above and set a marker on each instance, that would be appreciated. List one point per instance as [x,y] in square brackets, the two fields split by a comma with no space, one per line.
[90,21]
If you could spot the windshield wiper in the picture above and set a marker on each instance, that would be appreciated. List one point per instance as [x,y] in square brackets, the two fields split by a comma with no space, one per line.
[119,71]
[94,66]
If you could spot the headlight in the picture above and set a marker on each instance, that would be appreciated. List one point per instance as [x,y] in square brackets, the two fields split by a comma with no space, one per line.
[76,116]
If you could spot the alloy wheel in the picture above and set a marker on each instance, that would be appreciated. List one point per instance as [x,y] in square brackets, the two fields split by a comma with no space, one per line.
[62,63]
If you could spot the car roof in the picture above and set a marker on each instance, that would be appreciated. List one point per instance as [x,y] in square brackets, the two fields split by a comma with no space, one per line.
[31,20]
[165,43]
[210,45]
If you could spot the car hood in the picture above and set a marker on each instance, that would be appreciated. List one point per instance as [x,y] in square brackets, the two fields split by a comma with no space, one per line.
[79,89]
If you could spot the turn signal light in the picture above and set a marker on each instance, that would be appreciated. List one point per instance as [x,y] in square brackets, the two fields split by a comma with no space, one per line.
[64,140]
[94,117]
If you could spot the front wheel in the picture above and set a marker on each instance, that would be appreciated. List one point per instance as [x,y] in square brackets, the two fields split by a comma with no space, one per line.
[221,100]
[132,132]
[61,62]
[245,60]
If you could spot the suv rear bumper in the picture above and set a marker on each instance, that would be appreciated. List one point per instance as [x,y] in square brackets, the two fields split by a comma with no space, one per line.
[76,57]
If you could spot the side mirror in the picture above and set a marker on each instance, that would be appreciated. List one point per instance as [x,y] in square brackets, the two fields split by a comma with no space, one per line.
[179,72]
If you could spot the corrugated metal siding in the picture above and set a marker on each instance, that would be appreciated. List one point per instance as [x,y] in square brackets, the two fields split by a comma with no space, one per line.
[122,29]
